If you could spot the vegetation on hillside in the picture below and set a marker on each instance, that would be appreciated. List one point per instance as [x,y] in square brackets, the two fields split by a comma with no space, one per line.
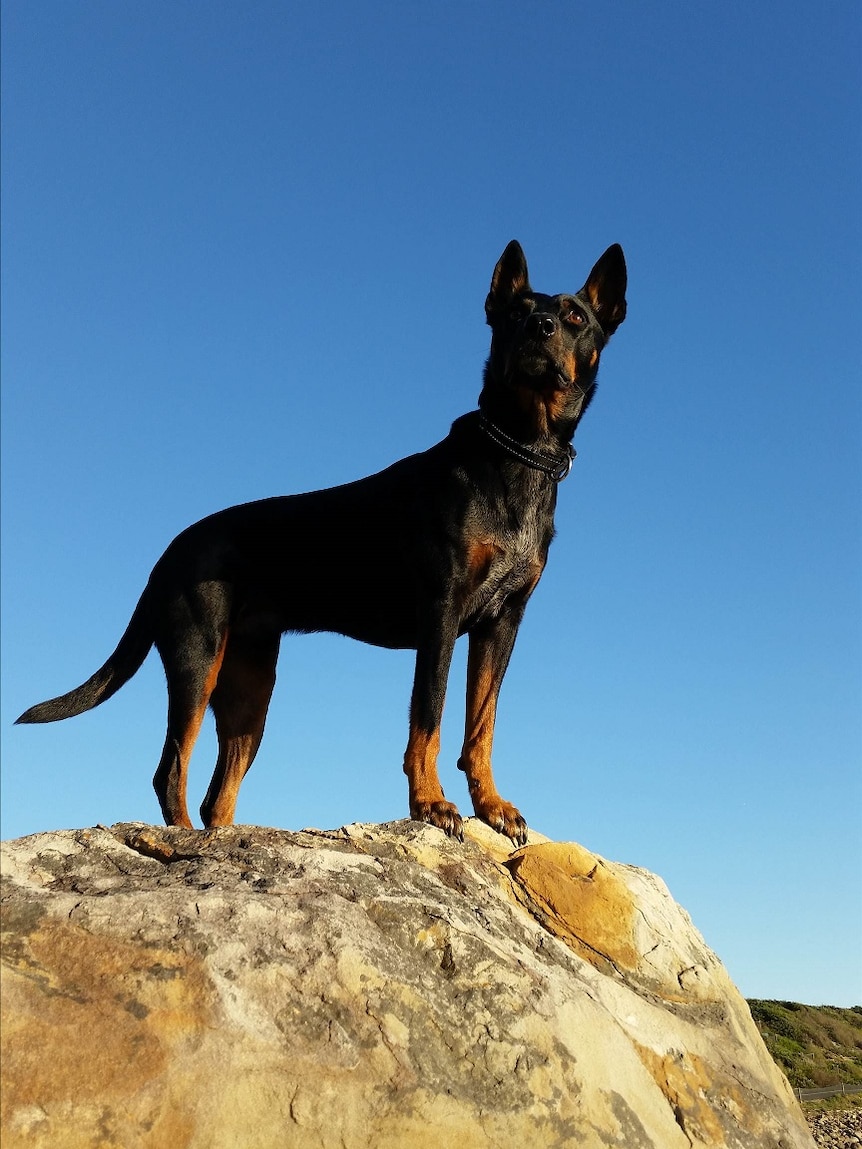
[816,1046]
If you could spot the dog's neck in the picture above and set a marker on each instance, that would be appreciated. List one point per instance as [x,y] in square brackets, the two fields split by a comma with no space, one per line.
[556,466]
[544,419]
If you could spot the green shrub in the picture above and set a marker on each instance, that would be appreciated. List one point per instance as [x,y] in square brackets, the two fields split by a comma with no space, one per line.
[813,1045]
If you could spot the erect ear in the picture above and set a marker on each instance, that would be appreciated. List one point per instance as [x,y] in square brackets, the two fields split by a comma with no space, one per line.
[509,280]
[606,289]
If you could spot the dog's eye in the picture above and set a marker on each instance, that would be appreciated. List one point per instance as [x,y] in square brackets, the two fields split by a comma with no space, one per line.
[576,318]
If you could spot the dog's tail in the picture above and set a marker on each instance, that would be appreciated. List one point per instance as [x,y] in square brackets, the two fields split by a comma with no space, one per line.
[126,660]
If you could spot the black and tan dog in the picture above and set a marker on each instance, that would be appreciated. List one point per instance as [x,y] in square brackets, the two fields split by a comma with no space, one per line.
[447,542]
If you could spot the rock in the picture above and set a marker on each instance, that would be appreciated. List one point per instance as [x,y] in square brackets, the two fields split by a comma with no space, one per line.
[375,986]
[837,1129]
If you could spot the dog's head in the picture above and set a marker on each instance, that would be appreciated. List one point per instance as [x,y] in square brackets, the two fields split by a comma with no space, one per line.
[545,349]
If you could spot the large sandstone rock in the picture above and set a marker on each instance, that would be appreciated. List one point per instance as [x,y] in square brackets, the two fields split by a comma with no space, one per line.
[376,987]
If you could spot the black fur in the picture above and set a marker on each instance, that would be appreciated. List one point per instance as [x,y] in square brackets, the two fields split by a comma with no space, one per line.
[443,543]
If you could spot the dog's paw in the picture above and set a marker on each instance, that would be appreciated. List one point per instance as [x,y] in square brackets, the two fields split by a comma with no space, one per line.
[504,818]
[444,815]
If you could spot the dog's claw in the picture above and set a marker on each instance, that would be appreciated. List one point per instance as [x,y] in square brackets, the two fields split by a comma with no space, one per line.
[517,832]
[504,818]
[443,815]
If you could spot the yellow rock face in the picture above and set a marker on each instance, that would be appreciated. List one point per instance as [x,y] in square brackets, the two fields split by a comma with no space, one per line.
[585,902]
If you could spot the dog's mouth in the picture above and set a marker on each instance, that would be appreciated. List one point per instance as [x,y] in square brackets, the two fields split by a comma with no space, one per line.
[543,369]
[545,372]
[550,376]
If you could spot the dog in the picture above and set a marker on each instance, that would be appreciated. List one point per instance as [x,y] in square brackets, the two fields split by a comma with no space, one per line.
[448,542]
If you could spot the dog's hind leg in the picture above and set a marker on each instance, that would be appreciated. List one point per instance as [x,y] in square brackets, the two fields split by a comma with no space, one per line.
[239,702]
[192,661]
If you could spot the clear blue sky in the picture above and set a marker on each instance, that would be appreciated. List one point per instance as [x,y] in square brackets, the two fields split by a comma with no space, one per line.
[245,252]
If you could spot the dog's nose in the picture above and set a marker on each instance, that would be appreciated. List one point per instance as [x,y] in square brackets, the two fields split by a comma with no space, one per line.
[541,325]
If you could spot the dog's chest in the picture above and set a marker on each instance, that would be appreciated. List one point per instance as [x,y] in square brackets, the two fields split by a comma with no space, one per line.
[503,564]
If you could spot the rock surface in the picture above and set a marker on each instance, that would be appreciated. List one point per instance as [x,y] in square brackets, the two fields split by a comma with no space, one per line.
[837,1130]
[375,986]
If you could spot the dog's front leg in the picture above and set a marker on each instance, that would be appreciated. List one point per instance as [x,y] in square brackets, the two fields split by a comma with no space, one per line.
[491,644]
[433,658]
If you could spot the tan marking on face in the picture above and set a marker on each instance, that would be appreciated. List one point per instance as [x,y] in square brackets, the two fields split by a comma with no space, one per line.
[555,406]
